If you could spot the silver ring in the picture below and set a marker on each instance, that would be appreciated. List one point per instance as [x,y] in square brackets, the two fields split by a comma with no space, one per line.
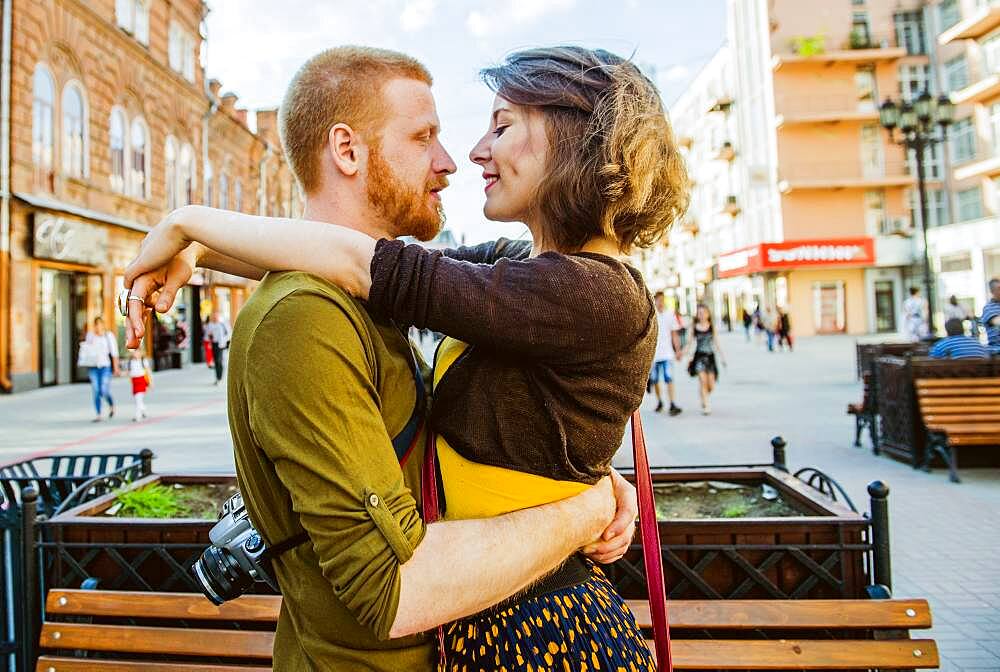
[133,297]
[124,297]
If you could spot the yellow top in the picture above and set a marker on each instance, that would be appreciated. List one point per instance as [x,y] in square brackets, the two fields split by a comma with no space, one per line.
[474,490]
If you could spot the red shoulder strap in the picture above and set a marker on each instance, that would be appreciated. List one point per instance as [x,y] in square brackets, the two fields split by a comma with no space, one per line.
[651,548]
[431,512]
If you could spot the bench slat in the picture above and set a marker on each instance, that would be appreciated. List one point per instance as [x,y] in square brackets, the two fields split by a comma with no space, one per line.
[948,392]
[57,664]
[172,641]
[69,602]
[974,440]
[968,428]
[789,614]
[956,382]
[952,417]
[960,403]
[719,614]
[843,654]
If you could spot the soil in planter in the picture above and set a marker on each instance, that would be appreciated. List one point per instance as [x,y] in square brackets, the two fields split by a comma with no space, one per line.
[173,500]
[719,499]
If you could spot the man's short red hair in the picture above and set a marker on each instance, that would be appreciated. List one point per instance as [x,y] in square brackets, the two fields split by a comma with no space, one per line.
[339,85]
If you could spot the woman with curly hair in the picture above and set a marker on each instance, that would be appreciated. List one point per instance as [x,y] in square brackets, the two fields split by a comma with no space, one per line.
[549,342]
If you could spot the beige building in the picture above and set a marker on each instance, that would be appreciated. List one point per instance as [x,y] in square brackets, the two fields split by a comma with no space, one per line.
[801,201]
[107,124]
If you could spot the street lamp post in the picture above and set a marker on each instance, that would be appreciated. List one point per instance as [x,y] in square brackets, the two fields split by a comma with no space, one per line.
[915,125]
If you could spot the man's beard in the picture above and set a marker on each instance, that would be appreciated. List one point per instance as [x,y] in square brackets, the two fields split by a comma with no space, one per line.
[406,210]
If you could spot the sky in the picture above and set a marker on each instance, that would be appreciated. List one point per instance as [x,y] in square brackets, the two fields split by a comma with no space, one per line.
[255,46]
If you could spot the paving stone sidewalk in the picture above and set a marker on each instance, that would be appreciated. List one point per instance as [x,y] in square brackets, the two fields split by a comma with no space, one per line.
[945,537]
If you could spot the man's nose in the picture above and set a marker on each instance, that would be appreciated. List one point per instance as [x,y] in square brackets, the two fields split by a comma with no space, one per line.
[443,162]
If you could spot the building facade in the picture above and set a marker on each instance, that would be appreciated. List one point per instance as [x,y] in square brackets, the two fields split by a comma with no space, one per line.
[965,247]
[109,124]
[802,202]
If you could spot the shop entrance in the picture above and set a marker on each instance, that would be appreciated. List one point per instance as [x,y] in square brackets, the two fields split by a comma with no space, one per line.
[829,311]
[67,304]
[885,306]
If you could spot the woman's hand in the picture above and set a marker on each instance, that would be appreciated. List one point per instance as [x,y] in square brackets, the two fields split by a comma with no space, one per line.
[616,539]
[157,288]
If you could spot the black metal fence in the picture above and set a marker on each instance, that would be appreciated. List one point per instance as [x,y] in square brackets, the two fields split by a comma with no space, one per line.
[30,491]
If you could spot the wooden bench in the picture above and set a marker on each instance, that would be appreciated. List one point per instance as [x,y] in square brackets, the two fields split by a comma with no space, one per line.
[958,412]
[865,413]
[191,634]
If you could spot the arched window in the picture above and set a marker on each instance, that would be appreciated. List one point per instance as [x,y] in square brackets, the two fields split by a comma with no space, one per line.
[186,168]
[209,185]
[117,144]
[223,192]
[41,118]
[170,160]
[138,142]
[238,196]
[74,133]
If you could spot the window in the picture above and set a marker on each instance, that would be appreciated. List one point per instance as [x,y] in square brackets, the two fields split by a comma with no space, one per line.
[170,159]
[180,51]
[963,141]
[73,131]
[861,32]
[874,211]
[950,13]
[186,171]
[933,164]
[956,73]
[41,118]
[956,262]
[238,196]
[209,177]
[117,143]
[910,32]
[937,214]
[914,80]
[991,54]
[864,87]
[139,140]
[970,204]
[223,192]
[133,17]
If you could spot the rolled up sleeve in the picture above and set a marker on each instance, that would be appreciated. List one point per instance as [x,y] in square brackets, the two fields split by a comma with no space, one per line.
[315,411]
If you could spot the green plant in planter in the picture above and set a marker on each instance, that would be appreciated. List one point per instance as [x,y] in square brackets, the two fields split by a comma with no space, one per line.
[809,45]
[859,39]
[153,501]
[735,511]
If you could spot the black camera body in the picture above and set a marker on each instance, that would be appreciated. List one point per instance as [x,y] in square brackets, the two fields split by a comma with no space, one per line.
[237,558]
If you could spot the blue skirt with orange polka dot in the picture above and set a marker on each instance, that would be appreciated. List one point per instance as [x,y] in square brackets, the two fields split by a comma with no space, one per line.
[583,628]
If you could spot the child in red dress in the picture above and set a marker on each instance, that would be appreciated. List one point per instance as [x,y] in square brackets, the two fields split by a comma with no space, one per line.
[142,380]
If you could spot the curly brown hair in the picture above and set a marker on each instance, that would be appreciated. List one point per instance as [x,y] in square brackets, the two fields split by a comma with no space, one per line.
[613,168]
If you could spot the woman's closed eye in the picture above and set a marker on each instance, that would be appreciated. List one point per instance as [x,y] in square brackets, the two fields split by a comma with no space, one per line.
[499,130]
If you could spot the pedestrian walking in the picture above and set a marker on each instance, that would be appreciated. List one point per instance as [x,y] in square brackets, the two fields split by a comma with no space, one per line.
[990,318]
[784,326]
[218,332]
[99,354]
[769,323]
[140,373]
[668,344]
[747,322]
[705,344]
[914,325]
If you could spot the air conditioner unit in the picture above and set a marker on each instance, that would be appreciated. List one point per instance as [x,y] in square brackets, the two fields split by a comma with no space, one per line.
[898,226]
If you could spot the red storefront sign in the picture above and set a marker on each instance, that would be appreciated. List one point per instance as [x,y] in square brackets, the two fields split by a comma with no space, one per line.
[797,254]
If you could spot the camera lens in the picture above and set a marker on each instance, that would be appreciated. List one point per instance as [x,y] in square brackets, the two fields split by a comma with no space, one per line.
[220,575]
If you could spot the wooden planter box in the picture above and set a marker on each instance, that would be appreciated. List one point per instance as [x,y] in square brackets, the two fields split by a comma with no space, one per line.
[126,553]
[826,553]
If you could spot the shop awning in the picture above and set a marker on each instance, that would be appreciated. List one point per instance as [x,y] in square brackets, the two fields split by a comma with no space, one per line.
[53,205]
[792,254]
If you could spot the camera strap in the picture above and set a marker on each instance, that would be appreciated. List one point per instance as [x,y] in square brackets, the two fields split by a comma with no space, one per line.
[403,445]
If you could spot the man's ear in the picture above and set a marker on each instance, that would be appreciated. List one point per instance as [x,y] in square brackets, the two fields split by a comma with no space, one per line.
[343,144]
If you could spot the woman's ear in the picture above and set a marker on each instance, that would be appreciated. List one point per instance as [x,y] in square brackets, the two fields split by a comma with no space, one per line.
[343,146]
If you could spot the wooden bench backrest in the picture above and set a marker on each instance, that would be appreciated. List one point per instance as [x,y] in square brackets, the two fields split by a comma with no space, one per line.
[891,651]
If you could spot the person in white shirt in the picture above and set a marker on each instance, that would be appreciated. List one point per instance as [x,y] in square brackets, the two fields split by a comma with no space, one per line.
[914,324]
[218,332]
[99,353]
[139,373]
[667,346]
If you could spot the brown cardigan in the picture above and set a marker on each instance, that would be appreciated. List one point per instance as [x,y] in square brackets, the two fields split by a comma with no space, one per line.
[561,348]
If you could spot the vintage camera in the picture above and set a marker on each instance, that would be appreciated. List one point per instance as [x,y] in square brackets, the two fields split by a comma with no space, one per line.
[237,558]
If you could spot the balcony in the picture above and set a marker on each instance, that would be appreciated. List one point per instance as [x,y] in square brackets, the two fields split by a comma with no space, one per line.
[726,152]
[685,140]
[720,103]
[979,23]
[983,164]
[843,175]
[982,90]
[895,250]
[731,207]
[690,224]
[858,48]
[823,109]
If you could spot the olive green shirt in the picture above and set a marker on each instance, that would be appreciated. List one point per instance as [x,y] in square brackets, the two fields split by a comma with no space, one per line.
[316,391]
